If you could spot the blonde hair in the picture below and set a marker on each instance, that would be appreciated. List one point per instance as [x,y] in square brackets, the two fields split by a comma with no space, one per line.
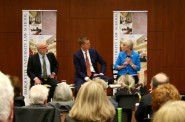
[101,82]
[127,42]
[92,104]
[162,94]
[126,81]
[172,111]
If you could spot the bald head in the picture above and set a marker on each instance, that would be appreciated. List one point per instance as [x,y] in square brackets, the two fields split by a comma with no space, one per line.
[42,48]
[158,79]
[41,45]
[161,78]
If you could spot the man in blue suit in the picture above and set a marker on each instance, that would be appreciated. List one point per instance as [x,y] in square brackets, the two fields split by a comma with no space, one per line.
[80,59]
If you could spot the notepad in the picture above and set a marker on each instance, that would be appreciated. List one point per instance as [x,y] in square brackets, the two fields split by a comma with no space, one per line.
[114,85]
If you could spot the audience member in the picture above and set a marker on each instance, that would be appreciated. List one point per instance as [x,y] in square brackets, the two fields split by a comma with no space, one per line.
[105,86]
[126,81]
[162,94]
[172,111]
[38,110]
[38,95]
[18,98]
[86,62]
[160,78]
[127,88]
[91,105]
[43,67]
[63,98]
[128,61]
[6,99]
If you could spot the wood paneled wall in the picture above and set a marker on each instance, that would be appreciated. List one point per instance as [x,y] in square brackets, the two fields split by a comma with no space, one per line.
[94,18]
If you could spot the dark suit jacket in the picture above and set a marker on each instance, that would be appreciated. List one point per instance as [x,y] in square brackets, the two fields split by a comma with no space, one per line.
[62,106]
[36,113]
[80,65]
[140,112]
[34,65]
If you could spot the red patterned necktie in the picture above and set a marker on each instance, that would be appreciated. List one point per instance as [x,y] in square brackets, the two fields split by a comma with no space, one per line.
[88,65]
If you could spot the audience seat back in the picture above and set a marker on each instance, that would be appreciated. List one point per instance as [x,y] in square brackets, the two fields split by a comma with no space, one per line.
[36,114]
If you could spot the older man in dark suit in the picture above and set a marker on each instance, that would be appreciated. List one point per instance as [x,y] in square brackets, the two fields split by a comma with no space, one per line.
[42,68]
[86,64]
[158,79]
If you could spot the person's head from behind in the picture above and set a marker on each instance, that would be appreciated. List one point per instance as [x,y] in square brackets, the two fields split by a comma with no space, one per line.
[126,44]
[84,43]
[6,99]
[172,111]
[38,94]
[102,83]
[160,78]
[16,83]
[42,48]
[162,94]
[126,81]
[63,93]
[92,104]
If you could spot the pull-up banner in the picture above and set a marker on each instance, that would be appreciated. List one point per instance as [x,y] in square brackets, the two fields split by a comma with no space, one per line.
[131,25]
[37,26]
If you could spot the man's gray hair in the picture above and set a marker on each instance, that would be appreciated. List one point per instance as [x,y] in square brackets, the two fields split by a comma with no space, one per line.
[160,78]
[39,44]
[63,93]
[6,96]
[38,94]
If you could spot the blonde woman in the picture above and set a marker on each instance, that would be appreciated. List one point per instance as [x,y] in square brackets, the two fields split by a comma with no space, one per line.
[172,111]
[126,81]
[127,88]
[105,86]
[91,105]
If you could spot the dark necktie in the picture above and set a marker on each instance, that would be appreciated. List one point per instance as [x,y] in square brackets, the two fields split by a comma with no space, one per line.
[88,65]
[44,68]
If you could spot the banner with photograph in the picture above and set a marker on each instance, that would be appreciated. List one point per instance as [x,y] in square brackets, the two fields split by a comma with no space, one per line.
[132,25]
[37,26]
